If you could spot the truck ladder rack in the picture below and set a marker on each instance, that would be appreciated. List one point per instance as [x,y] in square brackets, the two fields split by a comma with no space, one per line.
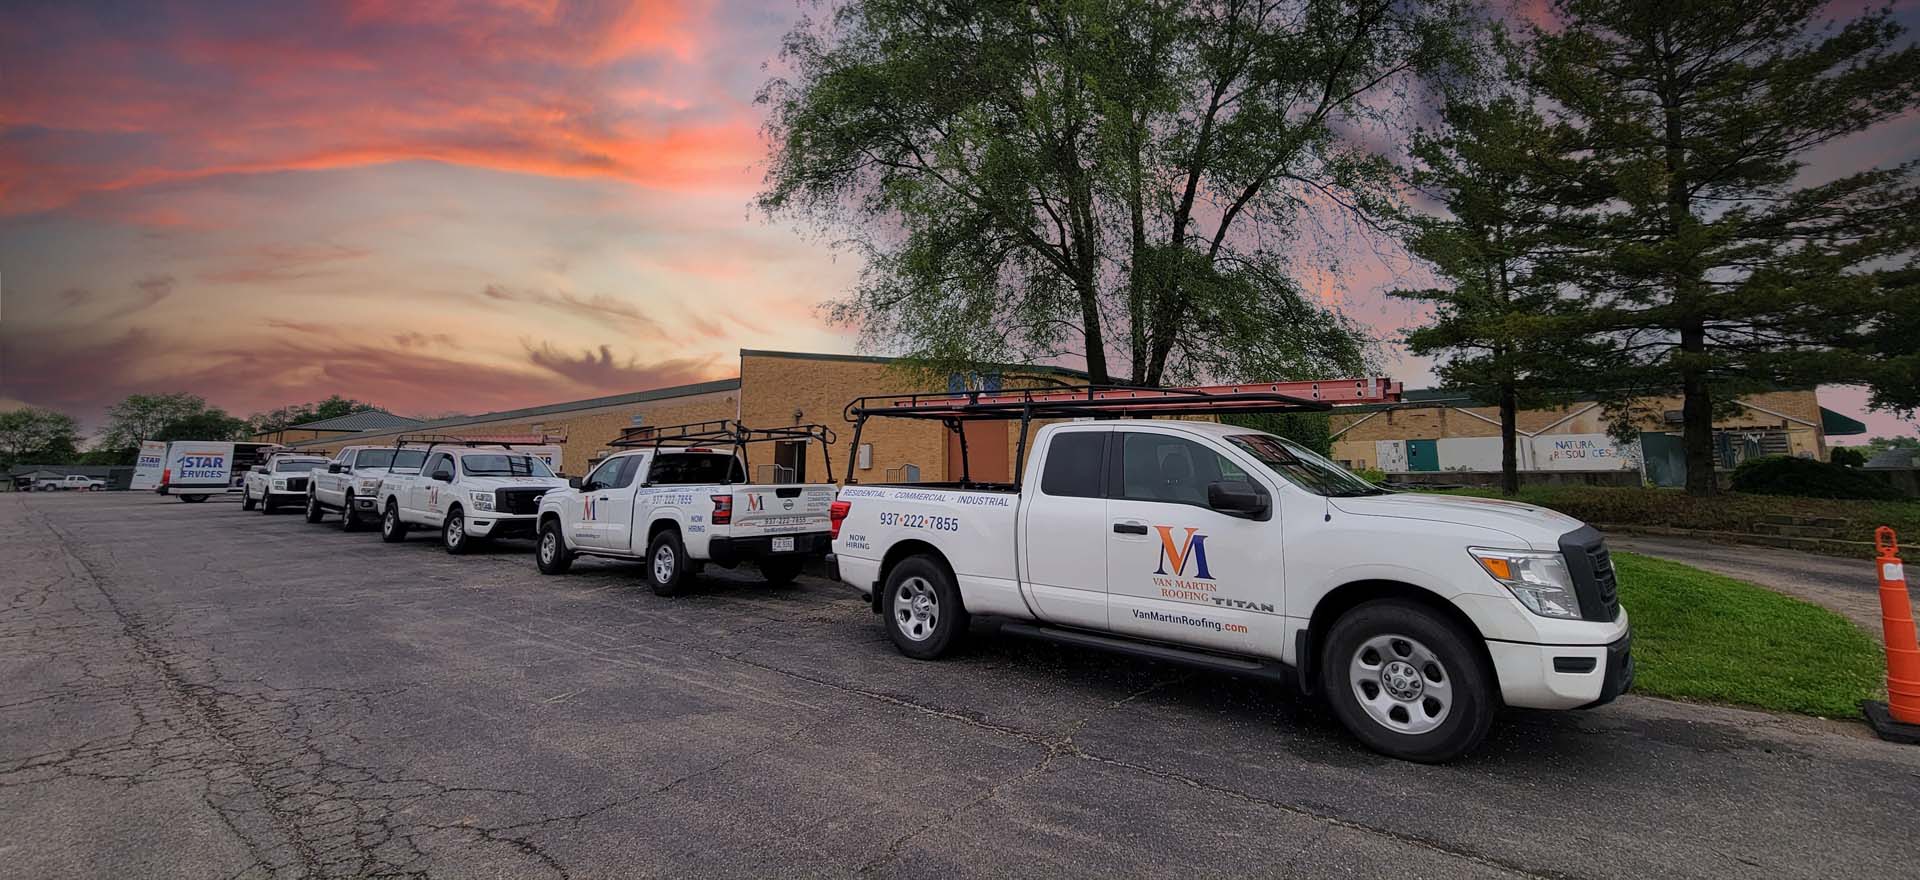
[724,432]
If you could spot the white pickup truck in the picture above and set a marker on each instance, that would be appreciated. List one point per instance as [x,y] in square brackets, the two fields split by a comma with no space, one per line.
[470,491]
[1416,615]
[281,479]
[678,498]
[71,483]
[350,484]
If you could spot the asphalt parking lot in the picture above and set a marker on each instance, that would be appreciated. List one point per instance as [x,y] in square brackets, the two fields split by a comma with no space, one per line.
[194,691]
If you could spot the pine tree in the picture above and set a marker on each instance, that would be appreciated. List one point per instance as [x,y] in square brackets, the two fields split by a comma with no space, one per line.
[1717,269]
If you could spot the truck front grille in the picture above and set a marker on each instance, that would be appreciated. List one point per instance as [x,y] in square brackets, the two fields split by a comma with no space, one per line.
[517,501]
[296,484]
[1592,569]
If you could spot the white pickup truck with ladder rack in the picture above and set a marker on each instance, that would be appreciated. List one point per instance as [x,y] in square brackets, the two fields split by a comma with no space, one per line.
[470,489]
[1227,548]
[679,498]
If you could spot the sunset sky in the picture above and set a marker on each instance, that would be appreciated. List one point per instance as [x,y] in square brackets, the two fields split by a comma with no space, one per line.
[434,206]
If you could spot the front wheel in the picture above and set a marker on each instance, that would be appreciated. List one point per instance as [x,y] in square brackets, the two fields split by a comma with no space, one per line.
[392,529]
[315,512]
[667,564]
[453,533]
[552,555]
[923,610]
[1408,682]
[349,521]
[246,499]
[266,502]
[780,571]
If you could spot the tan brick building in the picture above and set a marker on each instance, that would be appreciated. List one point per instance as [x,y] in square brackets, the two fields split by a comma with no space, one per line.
[774,388]
[1443,430]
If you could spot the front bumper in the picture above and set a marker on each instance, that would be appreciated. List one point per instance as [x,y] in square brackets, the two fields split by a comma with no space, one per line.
[730,550]
[493,525]
[1562,676]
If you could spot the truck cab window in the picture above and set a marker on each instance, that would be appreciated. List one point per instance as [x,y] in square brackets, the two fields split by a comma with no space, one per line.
[694,468]
[607,474]
[1160,467]
[1300,466]
[1075,461]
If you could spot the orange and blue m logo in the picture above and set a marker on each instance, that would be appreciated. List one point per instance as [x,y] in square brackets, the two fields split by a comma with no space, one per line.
[1192,548]
[586,511]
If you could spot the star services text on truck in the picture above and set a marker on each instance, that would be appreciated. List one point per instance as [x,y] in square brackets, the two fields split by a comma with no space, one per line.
[678,497]
[1223,547]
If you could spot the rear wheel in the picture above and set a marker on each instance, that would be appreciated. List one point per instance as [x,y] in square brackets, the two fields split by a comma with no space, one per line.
[1408,682]
[392,528]
[315,512]
[780,571]
[922,606]
[667,564]
[552,555]
[193,499]
[453,533]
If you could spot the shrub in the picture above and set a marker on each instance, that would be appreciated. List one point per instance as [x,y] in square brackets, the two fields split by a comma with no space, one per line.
[1847,456]
[1375,476]
[1806,478]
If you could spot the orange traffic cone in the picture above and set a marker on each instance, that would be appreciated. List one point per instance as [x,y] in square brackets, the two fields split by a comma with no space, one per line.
[1897,719]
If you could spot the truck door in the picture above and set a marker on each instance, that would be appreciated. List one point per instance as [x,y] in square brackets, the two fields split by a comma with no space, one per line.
[433,491]
[606,503]
[1063,530]
[1177,570]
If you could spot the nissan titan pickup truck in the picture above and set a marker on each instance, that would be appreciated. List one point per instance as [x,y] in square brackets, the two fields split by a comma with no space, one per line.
[281,479]
[350,484]
[1415,615]
[678,498]
[470,490]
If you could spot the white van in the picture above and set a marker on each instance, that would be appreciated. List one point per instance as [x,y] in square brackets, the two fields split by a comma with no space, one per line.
[197,470]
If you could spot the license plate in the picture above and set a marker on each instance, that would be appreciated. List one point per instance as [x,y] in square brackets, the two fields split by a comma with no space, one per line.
[783,545]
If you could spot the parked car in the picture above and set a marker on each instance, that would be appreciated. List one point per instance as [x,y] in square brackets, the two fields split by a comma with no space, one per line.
[678,498]
[281,480]
[71,482]
[470,491]
[1227,548]
[350,483]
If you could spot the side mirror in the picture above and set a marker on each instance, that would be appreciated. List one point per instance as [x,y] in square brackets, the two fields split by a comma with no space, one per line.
[1237,498]
[574,482]
[443,476]
[335,468]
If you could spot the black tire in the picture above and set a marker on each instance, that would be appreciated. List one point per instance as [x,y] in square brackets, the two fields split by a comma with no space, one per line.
[921,630]
[780,571]
[453,532]
[315,512]
[193,499]
[550,554]
[349,520]
[667,577]
[1411,632]
[393,530]
[246,499]
[266,503]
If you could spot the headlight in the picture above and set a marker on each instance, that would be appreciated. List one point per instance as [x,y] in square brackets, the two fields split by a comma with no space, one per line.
[1539,580]
[367,486]
[482,500]
[279,484]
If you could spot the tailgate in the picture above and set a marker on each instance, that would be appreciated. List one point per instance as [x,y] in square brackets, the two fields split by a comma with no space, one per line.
[781,510]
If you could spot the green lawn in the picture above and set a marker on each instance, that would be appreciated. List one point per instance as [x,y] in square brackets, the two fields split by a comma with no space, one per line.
[1701,636]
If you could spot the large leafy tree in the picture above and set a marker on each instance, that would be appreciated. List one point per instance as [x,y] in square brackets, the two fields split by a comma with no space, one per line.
[33,435]
[301,413]
[1718,268]
[175,416]
[1119,180]
[1499,174]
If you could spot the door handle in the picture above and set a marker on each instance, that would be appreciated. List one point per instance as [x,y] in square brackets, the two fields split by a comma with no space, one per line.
[1129,528]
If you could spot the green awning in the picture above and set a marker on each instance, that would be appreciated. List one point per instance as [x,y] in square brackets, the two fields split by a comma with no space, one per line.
[1837,425]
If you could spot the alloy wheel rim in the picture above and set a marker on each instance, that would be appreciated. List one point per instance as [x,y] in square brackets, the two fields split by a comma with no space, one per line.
[1401,684]
[663,564]
[456,532]
[916,609]
[548,547]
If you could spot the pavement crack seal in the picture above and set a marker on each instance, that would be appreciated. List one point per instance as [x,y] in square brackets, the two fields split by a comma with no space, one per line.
[295,808]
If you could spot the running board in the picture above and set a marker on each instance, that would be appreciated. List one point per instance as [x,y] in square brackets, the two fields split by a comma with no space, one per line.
[1267,670]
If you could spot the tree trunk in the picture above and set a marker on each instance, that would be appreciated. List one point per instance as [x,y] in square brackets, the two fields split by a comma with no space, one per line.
[1696,413]
[1090,326]
[1509,439]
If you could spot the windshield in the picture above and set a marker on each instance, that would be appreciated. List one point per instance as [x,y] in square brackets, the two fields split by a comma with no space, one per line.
[501,464]
[1300,466]
[292,465]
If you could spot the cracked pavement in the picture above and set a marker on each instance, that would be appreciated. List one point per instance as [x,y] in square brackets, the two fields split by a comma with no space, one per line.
[193,691]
